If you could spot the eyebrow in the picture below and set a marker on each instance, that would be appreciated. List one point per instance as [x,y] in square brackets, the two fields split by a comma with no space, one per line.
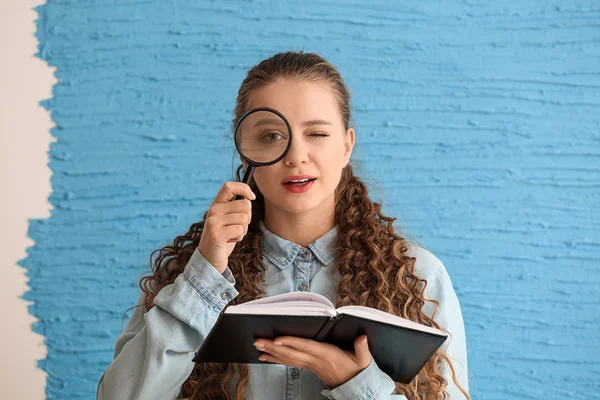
[277,121]
[269,121]
[316,122]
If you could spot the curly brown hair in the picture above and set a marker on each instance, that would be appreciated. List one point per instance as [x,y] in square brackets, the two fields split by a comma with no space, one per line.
[371,258]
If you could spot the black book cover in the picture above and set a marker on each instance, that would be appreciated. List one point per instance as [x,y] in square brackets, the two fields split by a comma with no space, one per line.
[400,352]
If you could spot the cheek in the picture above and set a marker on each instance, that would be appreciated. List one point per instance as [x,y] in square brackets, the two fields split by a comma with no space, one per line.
[265,178]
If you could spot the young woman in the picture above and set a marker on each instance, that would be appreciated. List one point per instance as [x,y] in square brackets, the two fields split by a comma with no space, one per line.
[330,239]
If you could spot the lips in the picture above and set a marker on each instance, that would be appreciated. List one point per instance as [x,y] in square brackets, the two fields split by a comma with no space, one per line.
[301,181]
[303,177]
[299,187]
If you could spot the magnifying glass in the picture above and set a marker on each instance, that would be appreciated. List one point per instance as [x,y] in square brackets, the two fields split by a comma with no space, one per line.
[262,137]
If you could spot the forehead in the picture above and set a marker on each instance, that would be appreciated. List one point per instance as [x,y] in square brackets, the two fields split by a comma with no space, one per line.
[298,101]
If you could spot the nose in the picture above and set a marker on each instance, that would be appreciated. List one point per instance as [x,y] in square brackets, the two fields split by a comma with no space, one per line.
[297,153]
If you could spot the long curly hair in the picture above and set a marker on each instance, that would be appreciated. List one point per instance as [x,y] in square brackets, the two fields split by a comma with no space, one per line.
[370,256]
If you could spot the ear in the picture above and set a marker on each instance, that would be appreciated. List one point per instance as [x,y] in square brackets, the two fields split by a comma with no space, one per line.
[349,145]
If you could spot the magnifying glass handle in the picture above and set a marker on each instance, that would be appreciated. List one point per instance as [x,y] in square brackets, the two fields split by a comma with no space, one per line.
[247,178]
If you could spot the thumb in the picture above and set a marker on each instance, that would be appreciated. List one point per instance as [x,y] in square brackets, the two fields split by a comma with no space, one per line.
[361,349]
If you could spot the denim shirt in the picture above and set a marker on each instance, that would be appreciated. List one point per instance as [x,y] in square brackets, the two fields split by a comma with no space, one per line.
[153,355]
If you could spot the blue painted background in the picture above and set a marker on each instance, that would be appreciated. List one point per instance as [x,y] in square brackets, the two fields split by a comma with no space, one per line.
[477,125]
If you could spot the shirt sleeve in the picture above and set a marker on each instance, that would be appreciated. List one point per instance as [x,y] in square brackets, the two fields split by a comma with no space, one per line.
[370,384]
[153,355]
[373,383]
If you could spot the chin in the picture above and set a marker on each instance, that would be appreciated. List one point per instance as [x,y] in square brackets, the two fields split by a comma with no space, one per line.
[299,208]
[295,205]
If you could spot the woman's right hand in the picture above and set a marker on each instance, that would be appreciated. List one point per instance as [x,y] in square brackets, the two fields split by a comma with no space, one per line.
[226,223]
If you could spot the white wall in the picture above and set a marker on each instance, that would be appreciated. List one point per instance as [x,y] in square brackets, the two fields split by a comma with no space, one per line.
[24,189]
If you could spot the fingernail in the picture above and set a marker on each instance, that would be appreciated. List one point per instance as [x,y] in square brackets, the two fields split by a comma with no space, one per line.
[278,343]
[259,346]
[253,196]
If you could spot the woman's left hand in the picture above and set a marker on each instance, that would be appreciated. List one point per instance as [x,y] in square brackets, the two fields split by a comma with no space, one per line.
[332,365]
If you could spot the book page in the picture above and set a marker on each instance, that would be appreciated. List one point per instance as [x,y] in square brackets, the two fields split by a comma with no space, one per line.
[290,311]
[382,316]
[291,296]
[293,303]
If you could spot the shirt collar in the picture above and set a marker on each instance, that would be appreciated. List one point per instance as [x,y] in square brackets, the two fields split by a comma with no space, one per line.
[282,252]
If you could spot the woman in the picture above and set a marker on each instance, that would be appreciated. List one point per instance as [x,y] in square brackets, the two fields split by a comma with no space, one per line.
[329,238]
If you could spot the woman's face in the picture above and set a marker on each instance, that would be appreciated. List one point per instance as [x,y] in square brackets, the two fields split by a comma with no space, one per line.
[312,111]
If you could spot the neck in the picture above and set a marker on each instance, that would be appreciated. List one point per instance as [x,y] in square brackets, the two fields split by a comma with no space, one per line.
[301,228]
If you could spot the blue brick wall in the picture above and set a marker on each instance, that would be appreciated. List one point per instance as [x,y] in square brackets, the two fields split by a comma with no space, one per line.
[477,125]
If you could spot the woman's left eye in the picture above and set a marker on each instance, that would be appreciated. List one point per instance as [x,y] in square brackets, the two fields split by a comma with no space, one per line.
[319,134]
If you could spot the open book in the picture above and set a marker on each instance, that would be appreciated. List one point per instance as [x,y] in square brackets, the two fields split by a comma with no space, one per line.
[399,346]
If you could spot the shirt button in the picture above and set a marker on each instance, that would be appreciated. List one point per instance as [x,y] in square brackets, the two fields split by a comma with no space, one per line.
[302,286]
[295,373]
[224,296]
[306,254]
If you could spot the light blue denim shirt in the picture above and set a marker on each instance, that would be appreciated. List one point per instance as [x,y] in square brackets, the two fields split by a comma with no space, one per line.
[153,355]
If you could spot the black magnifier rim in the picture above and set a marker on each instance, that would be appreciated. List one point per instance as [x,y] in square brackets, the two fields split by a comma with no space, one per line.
[280,115]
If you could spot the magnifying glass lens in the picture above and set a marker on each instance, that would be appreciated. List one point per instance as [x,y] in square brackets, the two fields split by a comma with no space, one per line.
[262,136]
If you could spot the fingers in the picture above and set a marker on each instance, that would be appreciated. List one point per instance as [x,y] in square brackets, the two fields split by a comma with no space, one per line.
[362,352]
[230,226]
[226,222]
[237,206]
[304,345]
[285,354]
[234,219]
[270,358]
[230,189]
